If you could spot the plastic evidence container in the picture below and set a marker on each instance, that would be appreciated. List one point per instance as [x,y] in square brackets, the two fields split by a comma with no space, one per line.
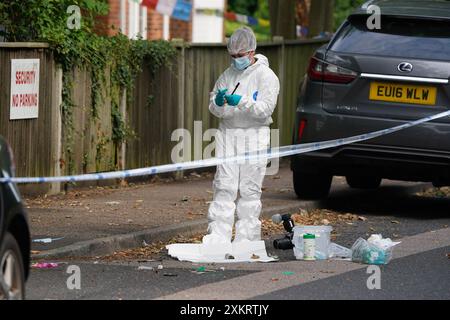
[322,245]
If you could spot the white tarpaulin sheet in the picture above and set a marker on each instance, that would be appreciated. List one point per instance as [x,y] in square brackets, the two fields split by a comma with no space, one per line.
[251,251]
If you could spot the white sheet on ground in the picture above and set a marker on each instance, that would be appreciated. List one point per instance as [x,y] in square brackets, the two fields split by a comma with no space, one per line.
[250,251]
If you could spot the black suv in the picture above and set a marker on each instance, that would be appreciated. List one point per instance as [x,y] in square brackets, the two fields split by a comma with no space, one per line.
[370,79]
[14,233]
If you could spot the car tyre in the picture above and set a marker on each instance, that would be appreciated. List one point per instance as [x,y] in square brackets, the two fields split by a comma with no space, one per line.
[12,271]
[311,186]
[363,182]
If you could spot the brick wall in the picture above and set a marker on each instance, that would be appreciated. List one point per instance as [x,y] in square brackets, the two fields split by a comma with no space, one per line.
[109,25]
[155,23]
[181,30]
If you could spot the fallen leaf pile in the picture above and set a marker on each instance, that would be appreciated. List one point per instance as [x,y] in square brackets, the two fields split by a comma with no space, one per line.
[310,218]
[435,193]
[324,217]
[150,250]
[269,228]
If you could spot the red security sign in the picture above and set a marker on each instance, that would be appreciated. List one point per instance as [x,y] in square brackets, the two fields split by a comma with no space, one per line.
[24,89]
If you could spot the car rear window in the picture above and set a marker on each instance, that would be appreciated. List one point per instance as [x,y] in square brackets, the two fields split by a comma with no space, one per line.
[398,37]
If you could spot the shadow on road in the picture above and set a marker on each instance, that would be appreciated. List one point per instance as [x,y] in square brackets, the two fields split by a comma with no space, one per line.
[389,200]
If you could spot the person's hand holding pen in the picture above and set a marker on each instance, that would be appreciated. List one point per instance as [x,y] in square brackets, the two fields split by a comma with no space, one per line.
[233,99]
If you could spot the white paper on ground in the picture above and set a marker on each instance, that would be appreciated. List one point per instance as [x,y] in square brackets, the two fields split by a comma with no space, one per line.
[250,251]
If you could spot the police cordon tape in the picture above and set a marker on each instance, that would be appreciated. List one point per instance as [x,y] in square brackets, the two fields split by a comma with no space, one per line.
[273,153]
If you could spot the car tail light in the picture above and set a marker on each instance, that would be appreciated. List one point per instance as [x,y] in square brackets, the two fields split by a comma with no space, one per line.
[326,72]
[301,130]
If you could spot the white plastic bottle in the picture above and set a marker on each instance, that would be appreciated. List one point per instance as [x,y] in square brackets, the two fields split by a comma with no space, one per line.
[309,247]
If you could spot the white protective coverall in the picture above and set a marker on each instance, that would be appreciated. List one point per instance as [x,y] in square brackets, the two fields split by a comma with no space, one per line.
[243,128]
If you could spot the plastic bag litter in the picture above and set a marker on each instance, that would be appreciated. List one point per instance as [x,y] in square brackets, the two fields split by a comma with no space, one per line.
[375,250]
[46,240]
[339,252]
[45,265]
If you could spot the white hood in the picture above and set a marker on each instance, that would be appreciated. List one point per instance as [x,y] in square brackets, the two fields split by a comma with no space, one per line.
[261,59]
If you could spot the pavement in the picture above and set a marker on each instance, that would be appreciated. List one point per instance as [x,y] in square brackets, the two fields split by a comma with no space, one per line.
[102,220]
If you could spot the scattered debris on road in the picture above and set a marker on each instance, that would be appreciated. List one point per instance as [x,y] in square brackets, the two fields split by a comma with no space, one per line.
[47,240]
[203,270]
[146,268]
[112,203]
[45,265]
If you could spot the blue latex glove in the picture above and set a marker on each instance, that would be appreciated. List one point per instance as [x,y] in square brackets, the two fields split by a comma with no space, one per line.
[233,100]
[220,97]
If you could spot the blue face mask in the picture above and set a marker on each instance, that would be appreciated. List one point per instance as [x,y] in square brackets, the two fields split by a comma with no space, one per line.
[242,63]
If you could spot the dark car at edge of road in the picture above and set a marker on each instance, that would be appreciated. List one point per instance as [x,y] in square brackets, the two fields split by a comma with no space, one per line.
[14,233]
[368,79]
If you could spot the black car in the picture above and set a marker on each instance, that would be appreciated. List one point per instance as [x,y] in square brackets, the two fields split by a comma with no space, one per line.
[369,79]
[14,233]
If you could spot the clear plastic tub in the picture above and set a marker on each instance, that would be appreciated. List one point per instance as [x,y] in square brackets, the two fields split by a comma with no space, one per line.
[322,234]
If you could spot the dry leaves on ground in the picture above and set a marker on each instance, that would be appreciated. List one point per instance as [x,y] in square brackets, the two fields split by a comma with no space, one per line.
[150,250]
[435,193]
[324,217]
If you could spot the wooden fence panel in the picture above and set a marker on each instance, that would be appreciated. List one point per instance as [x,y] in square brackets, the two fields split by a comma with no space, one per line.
[152,116]
[172,98]
[30,139]
[92,149]
[204,65]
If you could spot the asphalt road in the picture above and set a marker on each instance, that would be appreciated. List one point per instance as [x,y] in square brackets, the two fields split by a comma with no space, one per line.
[420,268]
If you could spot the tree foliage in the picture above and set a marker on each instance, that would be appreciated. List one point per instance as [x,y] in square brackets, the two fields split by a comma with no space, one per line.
[343,8]
[247,7]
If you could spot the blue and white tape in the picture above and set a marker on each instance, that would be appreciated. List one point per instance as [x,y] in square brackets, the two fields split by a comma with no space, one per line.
[273,153]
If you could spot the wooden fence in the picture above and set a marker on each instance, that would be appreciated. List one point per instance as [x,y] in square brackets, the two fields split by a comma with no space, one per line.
[36,152]
[171,99]
[178,97]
